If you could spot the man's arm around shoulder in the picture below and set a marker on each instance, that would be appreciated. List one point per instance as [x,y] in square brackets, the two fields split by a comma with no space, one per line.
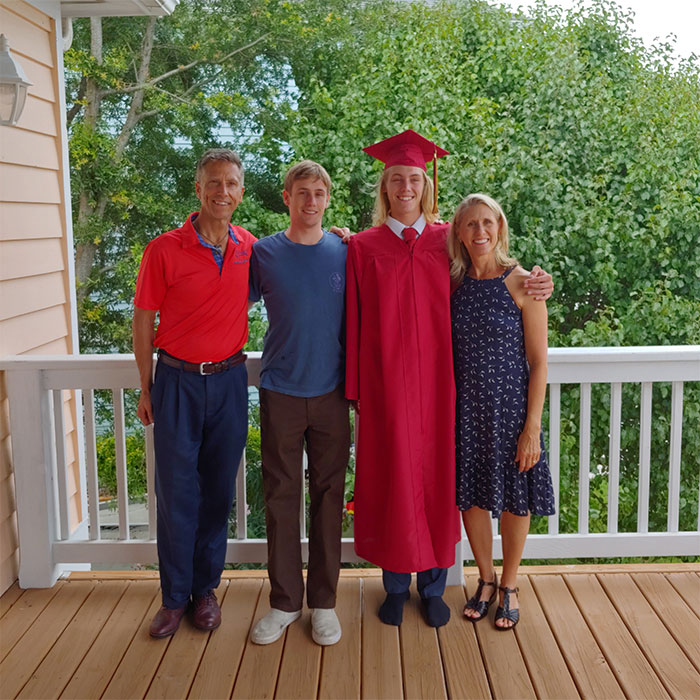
[142,329]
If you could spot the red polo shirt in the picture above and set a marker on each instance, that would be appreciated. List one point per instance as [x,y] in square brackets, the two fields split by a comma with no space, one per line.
[203,314]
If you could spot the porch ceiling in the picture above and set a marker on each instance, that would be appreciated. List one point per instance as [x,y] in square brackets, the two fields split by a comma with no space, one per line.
[116,8]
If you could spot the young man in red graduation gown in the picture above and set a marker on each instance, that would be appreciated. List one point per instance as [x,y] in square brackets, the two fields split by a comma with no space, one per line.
[399,374]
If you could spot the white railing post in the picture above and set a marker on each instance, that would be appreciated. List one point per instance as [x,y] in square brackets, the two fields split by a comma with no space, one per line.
[614,455]
[584,458]
[33,455]
[120,463]
[93,494]
[674,462]
[36,439]
[644,458]
[554,452]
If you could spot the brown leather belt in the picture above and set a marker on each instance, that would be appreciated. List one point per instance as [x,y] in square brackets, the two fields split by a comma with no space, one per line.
[203,368]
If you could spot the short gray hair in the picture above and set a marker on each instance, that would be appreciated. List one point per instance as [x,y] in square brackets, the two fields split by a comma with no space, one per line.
[214,154]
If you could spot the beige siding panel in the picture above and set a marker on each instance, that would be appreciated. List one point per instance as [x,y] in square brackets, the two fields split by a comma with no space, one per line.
[8,571]
[60,346]
[31,258]
[17,335]
[43,86]
[19,183]
[5,445]
[7,498]
[41,19]
[4,411]
[27,294]
[26,38]
[39,116]
[5,456]
[8,536]
[21,221]
[21,147]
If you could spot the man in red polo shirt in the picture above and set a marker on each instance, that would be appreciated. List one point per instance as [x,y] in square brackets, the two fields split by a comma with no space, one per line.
[196,278]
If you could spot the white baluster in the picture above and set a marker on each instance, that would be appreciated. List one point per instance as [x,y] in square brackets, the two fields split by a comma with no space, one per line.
[120,460]
[674,472]
[614,455]
[554,452]
[584,457]
[644,459]
[93,495]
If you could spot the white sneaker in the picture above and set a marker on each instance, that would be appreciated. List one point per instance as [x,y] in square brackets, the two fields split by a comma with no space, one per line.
[325,628]
[271,627]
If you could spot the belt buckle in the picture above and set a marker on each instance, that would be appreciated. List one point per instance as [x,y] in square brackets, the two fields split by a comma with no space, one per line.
[201,369]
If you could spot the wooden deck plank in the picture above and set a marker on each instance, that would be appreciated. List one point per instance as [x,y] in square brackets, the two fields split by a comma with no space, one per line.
[688,586]
[586,662]
[461,659]
[251,683]
[673,611]
[340,663]
[624,657]
[588,624]
[546,666]
[18,666]
[22,614]
[59,665]
[422,668]
[9,598]
[528,570]
[97,668]
[215,680]
[677,674]
[179,664]
[381,652]
[301,662]
[507,673]
[135,671]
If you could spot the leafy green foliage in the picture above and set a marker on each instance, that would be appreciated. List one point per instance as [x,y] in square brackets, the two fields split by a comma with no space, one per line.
[588,139]
[135,466]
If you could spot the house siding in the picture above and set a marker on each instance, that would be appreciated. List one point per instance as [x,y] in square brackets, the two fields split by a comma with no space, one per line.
[35,310]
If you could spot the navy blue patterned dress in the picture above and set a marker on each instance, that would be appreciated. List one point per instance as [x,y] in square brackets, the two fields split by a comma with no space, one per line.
[492,375]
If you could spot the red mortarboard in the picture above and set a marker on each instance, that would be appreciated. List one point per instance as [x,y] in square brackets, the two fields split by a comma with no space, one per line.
[409,148]
[406,148]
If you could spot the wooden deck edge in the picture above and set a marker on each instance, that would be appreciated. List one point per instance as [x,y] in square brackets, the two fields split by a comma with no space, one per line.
[678,567]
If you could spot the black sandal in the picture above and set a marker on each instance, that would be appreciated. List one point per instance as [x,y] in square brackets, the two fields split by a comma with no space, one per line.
[481,606]
[504,612]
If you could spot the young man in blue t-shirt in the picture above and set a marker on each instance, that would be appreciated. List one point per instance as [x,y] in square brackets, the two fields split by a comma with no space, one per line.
[300,274]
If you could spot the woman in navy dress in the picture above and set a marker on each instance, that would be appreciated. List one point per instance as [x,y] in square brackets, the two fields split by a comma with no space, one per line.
[499,336]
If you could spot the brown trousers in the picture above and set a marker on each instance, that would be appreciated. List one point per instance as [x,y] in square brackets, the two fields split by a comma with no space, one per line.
[286,424]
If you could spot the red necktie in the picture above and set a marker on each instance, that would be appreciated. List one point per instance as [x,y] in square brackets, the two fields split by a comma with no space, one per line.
[409,235]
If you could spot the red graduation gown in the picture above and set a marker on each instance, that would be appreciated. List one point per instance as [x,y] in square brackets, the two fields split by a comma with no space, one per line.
[399,366]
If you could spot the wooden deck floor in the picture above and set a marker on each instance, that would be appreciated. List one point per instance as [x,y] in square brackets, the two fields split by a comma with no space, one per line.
[592,632]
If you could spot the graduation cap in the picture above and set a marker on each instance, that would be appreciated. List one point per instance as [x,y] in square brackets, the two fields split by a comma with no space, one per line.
[409,148]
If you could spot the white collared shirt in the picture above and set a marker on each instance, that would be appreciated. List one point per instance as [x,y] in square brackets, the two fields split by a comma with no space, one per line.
[397,227]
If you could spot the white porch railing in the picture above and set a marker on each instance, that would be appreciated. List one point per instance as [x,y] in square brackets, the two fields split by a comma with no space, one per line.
[48,544]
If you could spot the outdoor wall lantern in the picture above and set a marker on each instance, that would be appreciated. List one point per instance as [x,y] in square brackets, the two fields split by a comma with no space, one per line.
[13,86]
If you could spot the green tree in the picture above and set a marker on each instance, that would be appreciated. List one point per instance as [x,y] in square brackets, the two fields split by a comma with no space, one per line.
[145,98]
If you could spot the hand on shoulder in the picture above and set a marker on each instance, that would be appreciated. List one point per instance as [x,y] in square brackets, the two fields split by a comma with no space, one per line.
[515,282]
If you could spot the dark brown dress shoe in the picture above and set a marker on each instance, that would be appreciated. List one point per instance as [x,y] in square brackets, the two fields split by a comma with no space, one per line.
[206,614]
[166,622]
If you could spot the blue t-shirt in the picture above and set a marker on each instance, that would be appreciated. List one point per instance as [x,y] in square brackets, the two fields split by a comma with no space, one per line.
[303,287]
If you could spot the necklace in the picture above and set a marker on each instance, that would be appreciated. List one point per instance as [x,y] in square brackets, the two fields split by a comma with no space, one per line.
[214,243]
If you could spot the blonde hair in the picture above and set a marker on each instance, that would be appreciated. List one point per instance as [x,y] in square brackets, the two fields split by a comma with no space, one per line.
[459,258]
[307,168]
[381,202]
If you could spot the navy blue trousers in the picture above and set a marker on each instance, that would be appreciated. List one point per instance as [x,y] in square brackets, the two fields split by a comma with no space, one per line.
[200,428]
[431,582]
